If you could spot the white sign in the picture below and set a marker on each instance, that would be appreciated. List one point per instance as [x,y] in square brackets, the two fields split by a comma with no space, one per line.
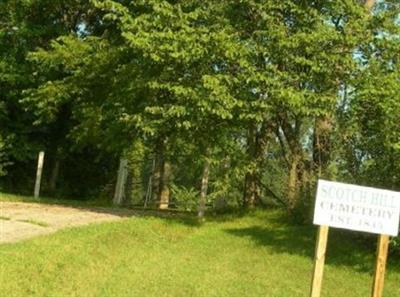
[357,208]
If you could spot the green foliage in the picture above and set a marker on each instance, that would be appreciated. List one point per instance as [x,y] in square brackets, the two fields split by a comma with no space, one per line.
[370,119]
[284,92]
[185,198]
[2,157]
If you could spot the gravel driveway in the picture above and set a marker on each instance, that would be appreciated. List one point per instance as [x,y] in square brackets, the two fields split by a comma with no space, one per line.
[20,221]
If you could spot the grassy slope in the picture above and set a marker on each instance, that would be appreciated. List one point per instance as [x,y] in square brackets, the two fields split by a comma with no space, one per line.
[255,255]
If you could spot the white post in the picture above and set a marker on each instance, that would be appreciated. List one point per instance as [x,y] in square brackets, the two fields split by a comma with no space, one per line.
[121,181]
[39,174]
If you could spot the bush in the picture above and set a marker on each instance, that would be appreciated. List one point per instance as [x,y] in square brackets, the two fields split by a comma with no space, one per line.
[185,198]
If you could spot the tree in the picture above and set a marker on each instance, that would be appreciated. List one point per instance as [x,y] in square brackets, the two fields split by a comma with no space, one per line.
[370,117]
[27,25]
[250,83]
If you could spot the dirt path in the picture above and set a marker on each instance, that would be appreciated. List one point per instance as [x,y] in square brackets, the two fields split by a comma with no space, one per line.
[20,221]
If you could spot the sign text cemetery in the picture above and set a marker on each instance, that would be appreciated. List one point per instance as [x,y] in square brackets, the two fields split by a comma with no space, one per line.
[355,208]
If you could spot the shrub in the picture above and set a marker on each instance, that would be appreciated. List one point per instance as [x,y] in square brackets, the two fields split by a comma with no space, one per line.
[185,198]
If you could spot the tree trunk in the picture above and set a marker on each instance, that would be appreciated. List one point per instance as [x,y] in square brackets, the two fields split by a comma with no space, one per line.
[293,191]
[54,176]
[295,161]
[257,142]
[251,191]
[161,175]
[204,187]
[136,191]
[322,145]
[156,180]
[164,186]
[158,171]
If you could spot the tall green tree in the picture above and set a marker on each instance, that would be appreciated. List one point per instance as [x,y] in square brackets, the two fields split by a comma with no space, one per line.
[252,82]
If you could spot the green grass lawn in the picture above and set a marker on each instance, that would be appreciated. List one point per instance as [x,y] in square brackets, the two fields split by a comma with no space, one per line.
[252,255]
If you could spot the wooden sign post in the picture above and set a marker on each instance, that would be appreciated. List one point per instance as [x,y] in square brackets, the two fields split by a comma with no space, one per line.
[380,266]
[319,261]
[355,208]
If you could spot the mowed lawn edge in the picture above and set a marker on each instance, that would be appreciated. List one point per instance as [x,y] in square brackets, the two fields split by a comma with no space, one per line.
[257,254]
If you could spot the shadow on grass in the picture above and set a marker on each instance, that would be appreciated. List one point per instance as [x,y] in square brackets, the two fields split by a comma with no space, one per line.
[106,207]
[172,216]
[10,197]
[344,248]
